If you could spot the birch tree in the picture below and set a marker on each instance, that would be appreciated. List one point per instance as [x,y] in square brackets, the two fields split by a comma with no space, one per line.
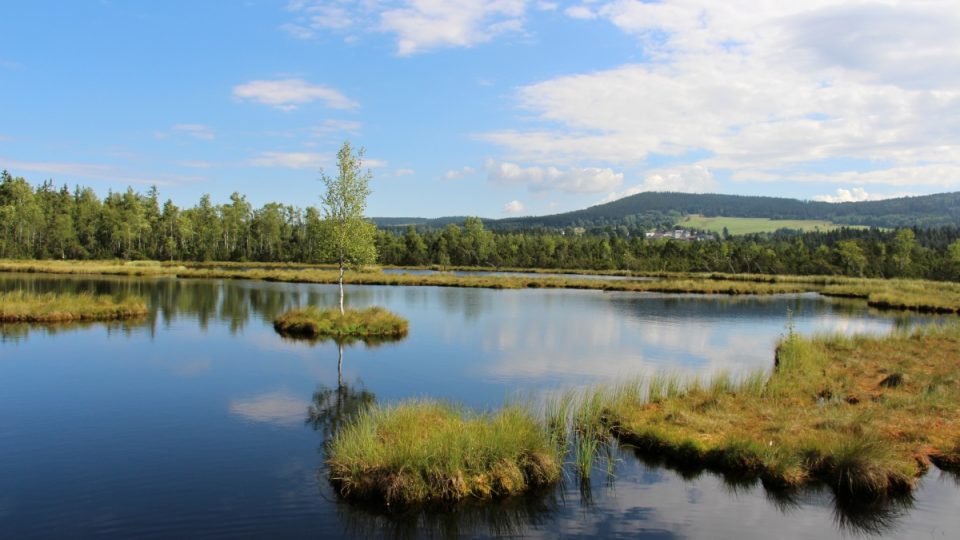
[351,236]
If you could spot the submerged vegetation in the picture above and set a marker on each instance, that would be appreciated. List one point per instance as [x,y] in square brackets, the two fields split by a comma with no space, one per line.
[864,415]
[425,451]
[26,307]
[313,322]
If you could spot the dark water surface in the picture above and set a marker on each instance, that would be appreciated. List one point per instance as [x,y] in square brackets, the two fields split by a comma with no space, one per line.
[201,422]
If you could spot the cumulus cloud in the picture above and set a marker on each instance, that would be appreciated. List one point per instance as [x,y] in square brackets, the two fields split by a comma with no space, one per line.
[418,25]
[404,172]
[538,179]
[513,207]
[456,174]
[288,94]
[770,91]
[289,160]
[685,179]
[845,195]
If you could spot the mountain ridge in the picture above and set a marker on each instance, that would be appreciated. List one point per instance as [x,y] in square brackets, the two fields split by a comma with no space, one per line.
[654,208]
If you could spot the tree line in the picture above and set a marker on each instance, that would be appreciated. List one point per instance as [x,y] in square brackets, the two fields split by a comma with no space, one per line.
[48,222]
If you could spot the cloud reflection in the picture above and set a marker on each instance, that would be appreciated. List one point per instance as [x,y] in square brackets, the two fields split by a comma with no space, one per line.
[279,408]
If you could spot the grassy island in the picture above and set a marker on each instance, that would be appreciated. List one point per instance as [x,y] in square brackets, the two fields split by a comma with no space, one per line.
[26,307]
[312,322]
[432,452]
[865,415]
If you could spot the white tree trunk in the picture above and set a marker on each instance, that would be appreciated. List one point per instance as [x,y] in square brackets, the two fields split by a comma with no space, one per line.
[341,288]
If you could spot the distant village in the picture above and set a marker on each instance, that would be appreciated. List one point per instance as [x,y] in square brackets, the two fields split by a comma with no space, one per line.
[681,234]
[675,234]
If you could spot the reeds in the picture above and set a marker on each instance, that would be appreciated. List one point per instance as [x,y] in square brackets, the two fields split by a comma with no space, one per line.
[315,322]
[26,307]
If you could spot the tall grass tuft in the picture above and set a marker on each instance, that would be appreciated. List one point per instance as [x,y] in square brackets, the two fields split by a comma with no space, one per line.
[314,322]
[423,451]
[21,306]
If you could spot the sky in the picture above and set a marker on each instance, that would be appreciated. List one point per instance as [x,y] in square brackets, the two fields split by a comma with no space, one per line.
[484,107]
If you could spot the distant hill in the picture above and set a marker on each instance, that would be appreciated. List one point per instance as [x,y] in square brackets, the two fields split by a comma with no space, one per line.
[657,209]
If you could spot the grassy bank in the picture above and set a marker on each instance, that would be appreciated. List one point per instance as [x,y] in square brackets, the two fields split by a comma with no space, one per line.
[900,294]
[864,415]
[427,451]
[19,306]
[315,322]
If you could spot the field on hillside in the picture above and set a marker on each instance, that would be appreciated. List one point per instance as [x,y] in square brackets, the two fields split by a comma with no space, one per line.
[739,225]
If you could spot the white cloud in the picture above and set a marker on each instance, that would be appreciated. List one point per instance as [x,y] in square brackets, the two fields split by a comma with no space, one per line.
[573,180]
[288,94]
[404,172]
[859,194]
[845,195]
[197,131]
[685,179]
[456,174]
[418,25]
[580,12]
[423,25]
[289,160]
[763,91]
[513,207]
[547,6]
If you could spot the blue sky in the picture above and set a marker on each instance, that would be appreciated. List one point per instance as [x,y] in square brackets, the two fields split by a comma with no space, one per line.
[484,107]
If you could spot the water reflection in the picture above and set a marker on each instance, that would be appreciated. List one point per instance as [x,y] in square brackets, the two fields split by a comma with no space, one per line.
[203,403]
[332,408]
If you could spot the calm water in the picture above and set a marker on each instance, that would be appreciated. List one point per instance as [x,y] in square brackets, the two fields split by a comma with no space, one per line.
[202,422]
[427,272]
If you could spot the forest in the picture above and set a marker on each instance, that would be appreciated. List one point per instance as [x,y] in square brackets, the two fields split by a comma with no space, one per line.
[46,222]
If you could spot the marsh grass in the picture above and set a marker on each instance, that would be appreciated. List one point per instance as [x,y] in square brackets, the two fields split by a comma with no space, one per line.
[828,413]
[312,322]
[898,294]
[425,451]
[27,307]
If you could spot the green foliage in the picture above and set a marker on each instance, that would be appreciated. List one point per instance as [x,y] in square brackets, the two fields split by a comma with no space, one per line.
[351,235]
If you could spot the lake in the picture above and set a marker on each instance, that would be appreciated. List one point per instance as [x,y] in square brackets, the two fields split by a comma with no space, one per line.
[201,421]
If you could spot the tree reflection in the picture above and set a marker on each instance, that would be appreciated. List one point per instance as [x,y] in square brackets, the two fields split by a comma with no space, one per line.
[332,408]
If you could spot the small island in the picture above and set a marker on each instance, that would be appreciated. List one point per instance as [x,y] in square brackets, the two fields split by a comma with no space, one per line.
[28,307]
[427,451]
[313,322]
